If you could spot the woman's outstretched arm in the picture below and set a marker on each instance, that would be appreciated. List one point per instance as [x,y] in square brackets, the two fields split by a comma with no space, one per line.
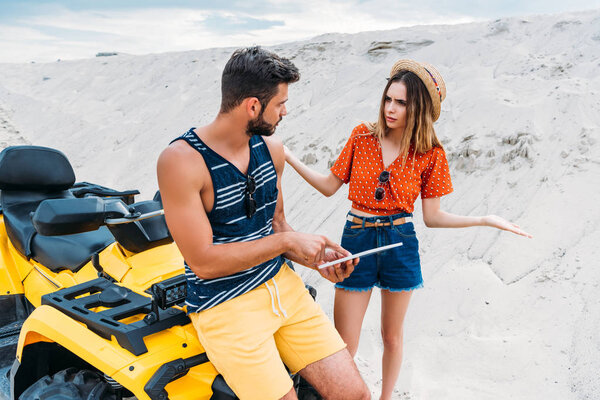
[326,184]
[434,217]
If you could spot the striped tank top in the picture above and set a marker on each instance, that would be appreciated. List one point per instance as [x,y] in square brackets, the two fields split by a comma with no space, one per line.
[229,221]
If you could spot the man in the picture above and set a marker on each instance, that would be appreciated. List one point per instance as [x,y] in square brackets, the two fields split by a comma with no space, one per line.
[221,190]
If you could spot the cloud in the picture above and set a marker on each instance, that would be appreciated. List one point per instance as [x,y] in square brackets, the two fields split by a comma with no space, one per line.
[227,24]
[45,31]
[15,33]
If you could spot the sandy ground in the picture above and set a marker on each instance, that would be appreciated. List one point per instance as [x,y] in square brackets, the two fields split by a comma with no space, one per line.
[500,316]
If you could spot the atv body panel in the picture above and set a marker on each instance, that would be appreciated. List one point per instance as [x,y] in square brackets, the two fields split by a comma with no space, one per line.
[46,337]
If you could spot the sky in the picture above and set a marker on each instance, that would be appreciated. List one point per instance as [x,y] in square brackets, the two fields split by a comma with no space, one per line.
[45,31]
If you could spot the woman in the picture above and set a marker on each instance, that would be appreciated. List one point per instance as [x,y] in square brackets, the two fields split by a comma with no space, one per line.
[387,165]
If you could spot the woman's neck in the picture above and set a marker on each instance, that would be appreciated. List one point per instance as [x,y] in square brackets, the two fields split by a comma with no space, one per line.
[394,136]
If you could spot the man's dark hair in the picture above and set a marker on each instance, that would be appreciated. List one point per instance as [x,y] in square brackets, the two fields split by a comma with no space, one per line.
[254,72]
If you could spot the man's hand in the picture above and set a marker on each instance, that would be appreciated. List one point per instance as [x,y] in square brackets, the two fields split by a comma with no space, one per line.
[338,272]
[314,250]
[309,249]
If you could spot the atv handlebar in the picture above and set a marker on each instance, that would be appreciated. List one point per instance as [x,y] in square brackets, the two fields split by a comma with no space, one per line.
[68,216]
[134,217]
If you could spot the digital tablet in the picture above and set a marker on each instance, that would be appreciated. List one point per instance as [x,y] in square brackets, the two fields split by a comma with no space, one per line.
[361,254]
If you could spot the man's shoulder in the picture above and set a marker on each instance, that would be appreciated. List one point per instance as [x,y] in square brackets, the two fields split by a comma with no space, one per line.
[181,158]
[275,146]
[273,140]
[179,151]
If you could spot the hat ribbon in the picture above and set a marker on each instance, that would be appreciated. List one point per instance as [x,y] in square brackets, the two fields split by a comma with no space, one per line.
[435,83]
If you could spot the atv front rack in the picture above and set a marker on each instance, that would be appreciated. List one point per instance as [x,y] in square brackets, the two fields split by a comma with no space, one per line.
[119,303]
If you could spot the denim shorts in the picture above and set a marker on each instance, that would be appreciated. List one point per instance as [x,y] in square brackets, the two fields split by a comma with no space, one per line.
[397,269]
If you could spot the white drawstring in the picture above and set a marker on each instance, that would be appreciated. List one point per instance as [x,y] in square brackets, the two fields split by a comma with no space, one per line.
[278,298]
[272,300]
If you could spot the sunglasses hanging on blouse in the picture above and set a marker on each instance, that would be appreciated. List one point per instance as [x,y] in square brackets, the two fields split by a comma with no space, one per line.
[384,178]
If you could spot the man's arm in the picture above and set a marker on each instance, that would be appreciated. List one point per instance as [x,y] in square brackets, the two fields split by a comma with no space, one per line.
[182,175]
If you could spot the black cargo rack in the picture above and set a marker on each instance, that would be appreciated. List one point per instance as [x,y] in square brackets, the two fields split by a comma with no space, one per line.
[121,303]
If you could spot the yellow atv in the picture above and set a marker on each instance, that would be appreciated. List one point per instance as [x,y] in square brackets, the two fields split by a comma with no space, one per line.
[92,286]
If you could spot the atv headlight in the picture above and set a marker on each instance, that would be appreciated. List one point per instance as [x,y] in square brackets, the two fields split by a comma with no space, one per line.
[170,292]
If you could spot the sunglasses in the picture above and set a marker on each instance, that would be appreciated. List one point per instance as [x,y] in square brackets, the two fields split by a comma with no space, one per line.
[384,178]
[250,201]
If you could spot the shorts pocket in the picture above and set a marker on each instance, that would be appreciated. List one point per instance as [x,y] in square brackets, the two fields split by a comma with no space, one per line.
[350,233]
[406,230]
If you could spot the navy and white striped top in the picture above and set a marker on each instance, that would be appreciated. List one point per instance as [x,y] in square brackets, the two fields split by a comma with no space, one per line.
[229,221]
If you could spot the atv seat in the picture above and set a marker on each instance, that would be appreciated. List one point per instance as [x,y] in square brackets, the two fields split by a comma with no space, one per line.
[29,175]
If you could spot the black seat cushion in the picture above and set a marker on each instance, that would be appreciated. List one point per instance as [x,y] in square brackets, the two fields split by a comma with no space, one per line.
[69,251]
[17,208]
[28,176]
[55,252]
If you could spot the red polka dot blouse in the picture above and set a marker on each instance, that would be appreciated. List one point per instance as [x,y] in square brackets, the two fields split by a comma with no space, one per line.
[361,162]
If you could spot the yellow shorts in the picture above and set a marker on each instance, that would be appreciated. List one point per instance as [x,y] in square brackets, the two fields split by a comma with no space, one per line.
[249,338]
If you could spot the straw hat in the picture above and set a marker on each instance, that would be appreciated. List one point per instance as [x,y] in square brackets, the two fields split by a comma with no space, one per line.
[429,76]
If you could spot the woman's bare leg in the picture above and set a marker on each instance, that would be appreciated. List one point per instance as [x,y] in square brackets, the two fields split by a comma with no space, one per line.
[393,311]
[348,312]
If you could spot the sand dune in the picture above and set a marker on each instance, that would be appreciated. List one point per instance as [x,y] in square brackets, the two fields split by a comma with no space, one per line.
[500,316]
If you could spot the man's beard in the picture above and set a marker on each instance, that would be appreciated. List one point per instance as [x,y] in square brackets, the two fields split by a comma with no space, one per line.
[260,127]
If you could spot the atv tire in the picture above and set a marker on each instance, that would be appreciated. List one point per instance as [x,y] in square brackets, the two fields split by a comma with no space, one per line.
[70,384]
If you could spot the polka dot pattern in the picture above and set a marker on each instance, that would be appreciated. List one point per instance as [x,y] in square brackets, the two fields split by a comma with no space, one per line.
[361,162]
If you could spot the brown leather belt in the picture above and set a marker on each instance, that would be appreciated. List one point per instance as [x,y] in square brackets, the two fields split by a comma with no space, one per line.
[359,221]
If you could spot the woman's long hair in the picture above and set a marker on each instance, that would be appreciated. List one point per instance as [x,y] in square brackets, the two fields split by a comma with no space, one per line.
[419,131]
